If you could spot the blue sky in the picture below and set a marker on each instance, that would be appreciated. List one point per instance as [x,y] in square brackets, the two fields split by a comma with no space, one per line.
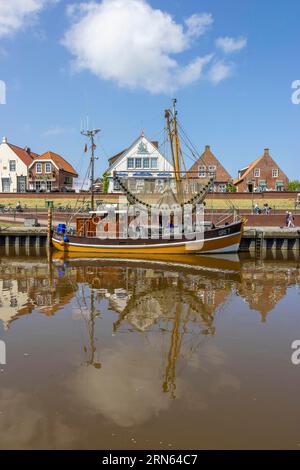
[61,64]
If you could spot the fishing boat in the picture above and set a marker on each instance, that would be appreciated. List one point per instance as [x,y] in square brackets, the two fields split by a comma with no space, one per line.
[163,216]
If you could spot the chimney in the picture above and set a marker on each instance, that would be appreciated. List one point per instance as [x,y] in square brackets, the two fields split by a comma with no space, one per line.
[28,150]
[4,140]
[266,153]
[207,148]
[155,143]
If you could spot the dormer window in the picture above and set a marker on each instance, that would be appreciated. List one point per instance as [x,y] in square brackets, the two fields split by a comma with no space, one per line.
[48,167]
[257,172]
[38,168]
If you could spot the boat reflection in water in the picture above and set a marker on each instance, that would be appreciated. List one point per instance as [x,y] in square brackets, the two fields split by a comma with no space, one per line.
[176,294]
[121,351]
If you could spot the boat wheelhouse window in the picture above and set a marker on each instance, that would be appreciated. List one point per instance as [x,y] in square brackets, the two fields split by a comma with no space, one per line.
[146,163]
[202,171]
[154,162]
[138,163]
[130,163]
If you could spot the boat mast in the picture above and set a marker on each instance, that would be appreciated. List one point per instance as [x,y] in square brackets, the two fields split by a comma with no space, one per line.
[91,134]
[173,137]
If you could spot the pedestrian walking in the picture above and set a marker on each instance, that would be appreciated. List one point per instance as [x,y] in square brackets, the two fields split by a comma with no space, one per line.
[291,219]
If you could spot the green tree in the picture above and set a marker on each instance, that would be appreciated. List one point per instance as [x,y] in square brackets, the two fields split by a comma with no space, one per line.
[105,182]
[230,188]
[294,186]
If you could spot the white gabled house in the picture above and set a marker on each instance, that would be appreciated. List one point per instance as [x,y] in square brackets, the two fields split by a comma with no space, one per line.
[141,161]
[14,162]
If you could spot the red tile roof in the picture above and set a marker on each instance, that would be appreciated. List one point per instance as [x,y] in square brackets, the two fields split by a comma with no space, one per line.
[25,155]
[59,161]
[247,171]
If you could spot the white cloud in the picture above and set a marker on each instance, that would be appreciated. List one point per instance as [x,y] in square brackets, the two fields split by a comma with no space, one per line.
[230,45]
[133,44]
[57,130]
[198,24]
[15,14]
[220,71]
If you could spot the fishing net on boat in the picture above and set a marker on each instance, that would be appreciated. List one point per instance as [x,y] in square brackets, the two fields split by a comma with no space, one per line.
[163,189]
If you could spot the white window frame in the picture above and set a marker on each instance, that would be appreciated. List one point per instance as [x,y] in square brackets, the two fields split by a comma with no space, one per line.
[152,165]
[46,165]
[275,173]
[148,166]
[128,166]
[138,159]
[39,165]
[202,171]
[256,173]
[15,164]
[212,170]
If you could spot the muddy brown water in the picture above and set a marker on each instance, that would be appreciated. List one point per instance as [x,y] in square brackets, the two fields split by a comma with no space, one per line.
[114,354]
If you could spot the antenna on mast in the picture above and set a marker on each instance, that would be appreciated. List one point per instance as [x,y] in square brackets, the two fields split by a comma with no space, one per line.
[90,134]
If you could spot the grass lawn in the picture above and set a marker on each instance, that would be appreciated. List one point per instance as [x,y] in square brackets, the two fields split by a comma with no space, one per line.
[286,204]
[211,203]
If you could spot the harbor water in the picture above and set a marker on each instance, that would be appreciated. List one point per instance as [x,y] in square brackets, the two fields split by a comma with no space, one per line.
[184,353]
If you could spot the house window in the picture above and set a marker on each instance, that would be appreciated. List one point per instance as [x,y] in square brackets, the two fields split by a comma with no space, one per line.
[154,162]
[138,163]
[12,165]
[279,186]
[132,184]
[38,168]
[49,185]
[222,188]
[257,172]
[211,170]
[146,163]
[48,168]
[202,171]
[117,186]
[275,173]
[130,163]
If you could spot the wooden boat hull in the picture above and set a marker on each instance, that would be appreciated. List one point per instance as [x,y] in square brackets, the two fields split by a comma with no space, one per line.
[223,240]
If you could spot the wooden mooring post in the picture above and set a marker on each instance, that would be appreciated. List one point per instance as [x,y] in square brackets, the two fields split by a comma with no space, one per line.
[49,227]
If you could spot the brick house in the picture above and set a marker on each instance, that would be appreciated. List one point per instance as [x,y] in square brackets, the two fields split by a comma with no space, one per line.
[50,172]
[263,174]
[208,165]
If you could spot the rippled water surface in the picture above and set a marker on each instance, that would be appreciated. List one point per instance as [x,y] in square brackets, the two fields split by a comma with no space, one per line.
[193,353]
